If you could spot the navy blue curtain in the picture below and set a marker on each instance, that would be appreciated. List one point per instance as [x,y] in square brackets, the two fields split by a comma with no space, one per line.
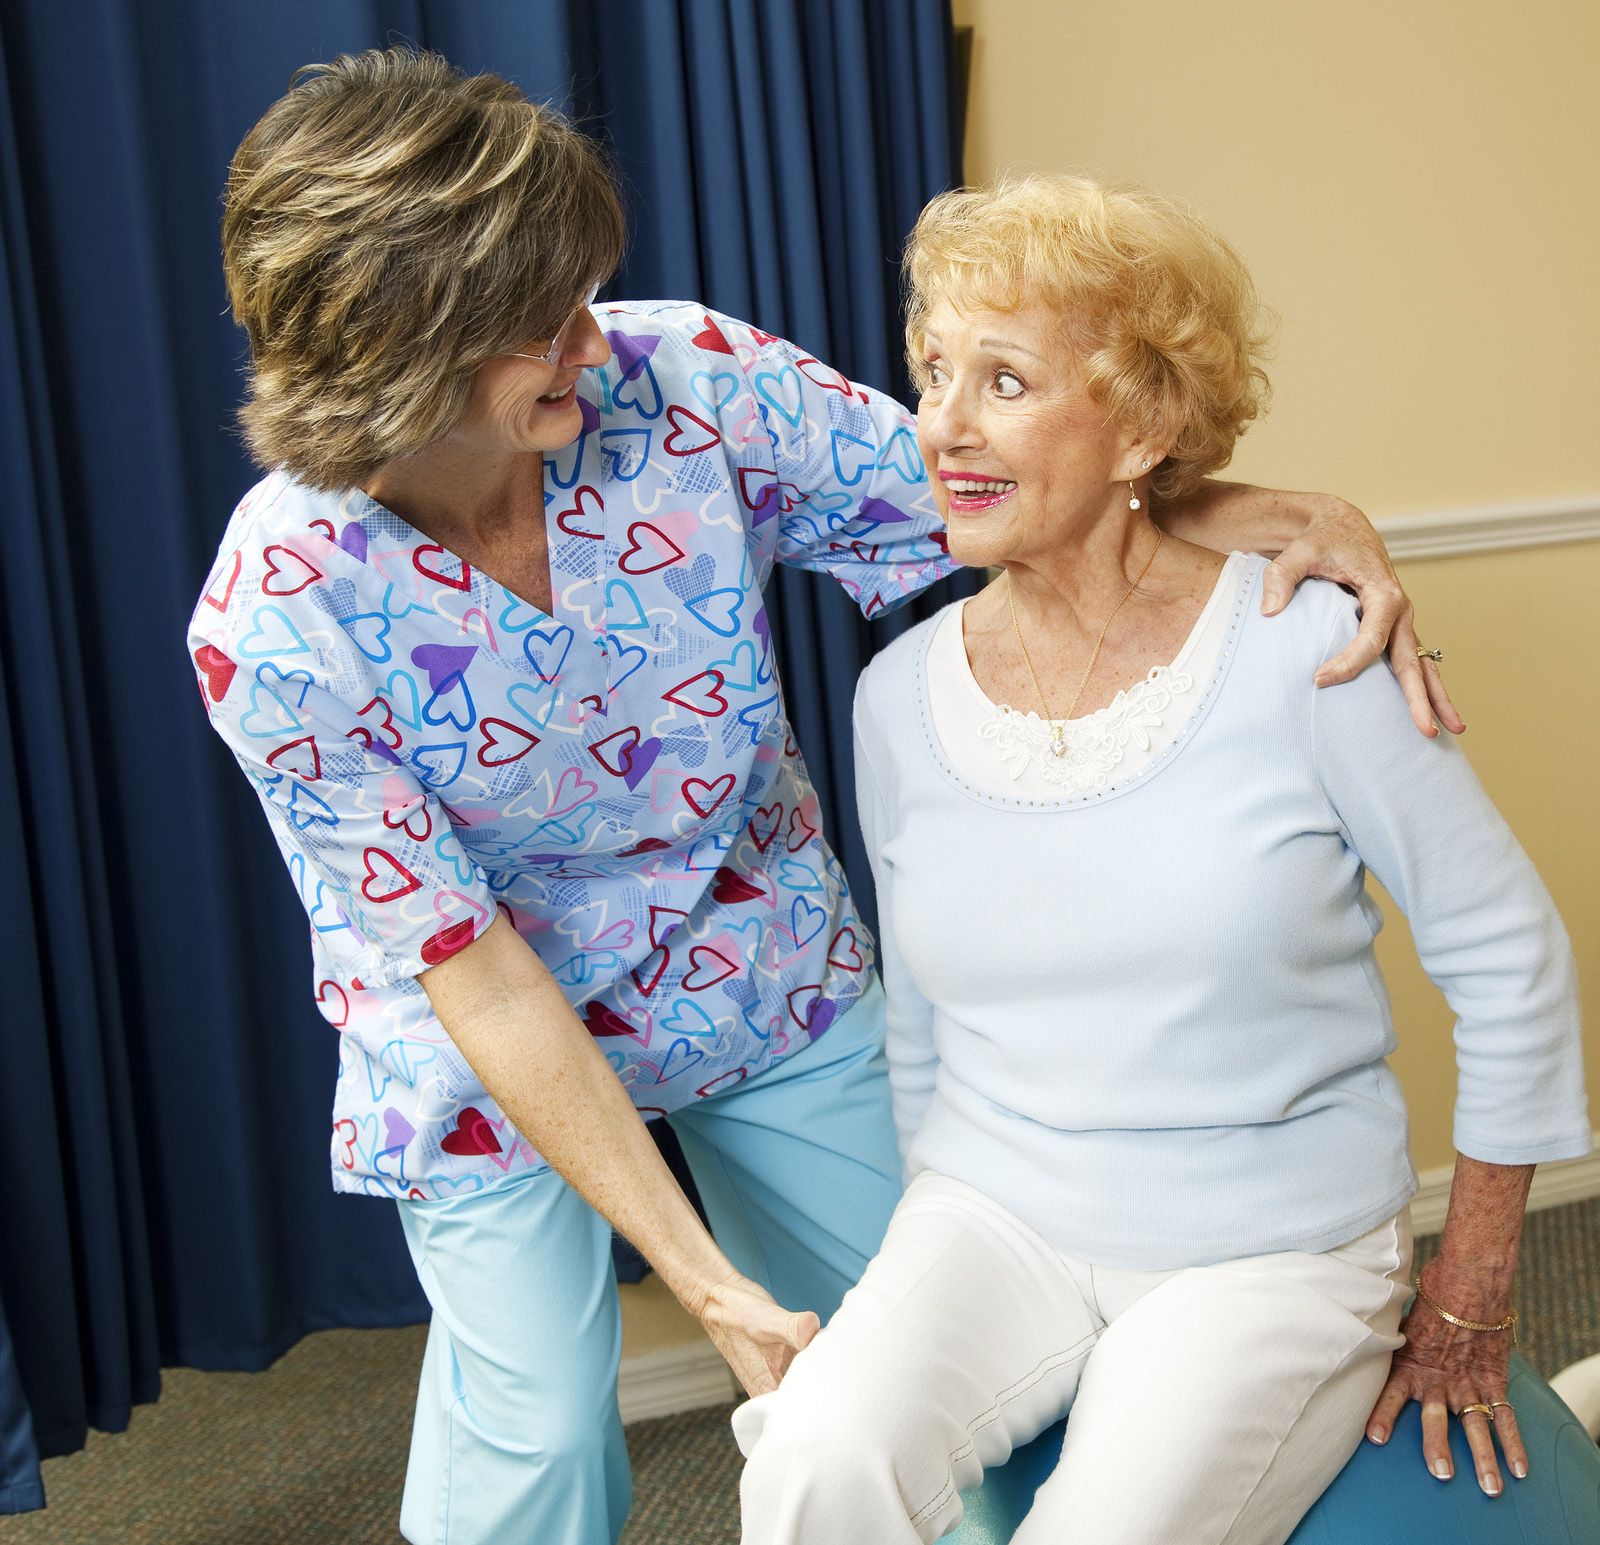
[164,1081]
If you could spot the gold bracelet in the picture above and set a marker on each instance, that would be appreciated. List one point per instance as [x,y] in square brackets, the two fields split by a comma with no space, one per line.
[1508,1323]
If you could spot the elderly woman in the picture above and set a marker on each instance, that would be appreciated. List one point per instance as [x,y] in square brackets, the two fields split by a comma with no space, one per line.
[488,640]
[1136,1032]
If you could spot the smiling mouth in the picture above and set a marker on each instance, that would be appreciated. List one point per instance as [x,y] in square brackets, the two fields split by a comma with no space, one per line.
[967,494]
[555,399]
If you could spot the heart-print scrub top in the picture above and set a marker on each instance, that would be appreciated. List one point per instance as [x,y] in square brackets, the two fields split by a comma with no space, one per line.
[618,779]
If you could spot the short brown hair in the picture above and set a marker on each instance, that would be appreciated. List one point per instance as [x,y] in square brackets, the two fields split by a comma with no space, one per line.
[389,224]
[1159,310]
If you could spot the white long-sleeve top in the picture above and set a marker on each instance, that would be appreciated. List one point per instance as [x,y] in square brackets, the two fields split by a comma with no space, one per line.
[1147,1018]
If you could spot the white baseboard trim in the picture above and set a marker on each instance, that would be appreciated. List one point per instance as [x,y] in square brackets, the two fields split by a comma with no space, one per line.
[686,1378]
[1554,1185]
[1491,527]
[682,1378]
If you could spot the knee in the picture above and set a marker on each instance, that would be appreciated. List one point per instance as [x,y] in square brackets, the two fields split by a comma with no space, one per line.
[796,1444]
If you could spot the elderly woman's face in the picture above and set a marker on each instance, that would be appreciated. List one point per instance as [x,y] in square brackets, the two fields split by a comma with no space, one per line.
[1021,459]
[520,403]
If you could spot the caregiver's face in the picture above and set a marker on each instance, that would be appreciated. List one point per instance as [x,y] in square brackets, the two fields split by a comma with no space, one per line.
[520,402]
[1021,459]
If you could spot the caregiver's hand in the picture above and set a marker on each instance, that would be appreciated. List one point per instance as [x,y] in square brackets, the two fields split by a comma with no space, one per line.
[756,1335]
[1323,537]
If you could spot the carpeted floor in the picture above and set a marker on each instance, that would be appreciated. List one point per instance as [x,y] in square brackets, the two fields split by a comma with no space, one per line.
[313,1451]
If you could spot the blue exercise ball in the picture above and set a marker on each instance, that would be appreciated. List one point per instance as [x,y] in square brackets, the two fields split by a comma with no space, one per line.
[1386,1493]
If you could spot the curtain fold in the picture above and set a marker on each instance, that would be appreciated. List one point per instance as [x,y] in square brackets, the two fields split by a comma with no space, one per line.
[165,1079]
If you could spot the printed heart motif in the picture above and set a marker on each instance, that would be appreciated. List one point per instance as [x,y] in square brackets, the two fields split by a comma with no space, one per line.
[782,392]
[731,889]
[626,452]
[217,669]
[798,877]
[585,516]
[438,766]
[503,742]
[307,809]
[711,340]
[404,698]
[741,669]
[714,391]
[344,1133]
[220,591]
[604,1021]
[353,539]
[397,1131]
[443,663]
[382,718]
[272,634]
[681,1056]
[650,970]
[688,1018]
[853,457]
[408,812]
[370,630]
[638,389]
[536,704]
[664,921]
[707,967]
[803,1002]
[764,495]
[472,1135]
[707,855]
[822,1015]
[820,375]
[299,757]
[649,549]
[323,528]
[640,761]
[573,790]
[700,694]
[427,559]
[547,649]
[764,825]
[845,951]
[624,610]
[902,456]
[287,572]
[629,658]
[806,920]
[723,1081]
[615,752]
[801,831]
[718,609]
[690,434]
[704,797]
[448,941]
[387,878]
[334,1003]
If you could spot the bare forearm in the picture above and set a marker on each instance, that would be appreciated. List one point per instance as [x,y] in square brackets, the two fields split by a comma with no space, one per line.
[1239,517]
[1477,1260]
[516,1029]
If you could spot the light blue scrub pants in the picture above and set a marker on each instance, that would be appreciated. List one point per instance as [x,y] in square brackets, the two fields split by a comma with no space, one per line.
[517,1438]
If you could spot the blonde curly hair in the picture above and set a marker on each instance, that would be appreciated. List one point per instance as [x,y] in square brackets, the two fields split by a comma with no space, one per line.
[389,225]
[1159,311]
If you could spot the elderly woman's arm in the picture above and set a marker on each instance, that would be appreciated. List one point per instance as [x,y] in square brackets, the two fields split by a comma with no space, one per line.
[1488,934]
[1446,1366]
[1319,535]
[515,1027]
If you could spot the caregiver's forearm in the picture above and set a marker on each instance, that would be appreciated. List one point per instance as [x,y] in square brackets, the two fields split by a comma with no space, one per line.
[1240,517]
[515,1027]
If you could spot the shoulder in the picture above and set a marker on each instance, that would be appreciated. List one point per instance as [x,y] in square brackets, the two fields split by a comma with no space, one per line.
[265,595]
[887,683]
[1319,620]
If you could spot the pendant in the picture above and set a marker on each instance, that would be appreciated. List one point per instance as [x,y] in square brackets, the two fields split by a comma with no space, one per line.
[1058,742]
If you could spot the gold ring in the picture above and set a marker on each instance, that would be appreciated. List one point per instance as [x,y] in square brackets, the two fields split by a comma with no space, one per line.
[1477,1405]
[1436,655]
[1506,1403]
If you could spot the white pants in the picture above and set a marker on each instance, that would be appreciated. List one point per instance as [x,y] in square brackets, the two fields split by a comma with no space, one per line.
[1208,1404]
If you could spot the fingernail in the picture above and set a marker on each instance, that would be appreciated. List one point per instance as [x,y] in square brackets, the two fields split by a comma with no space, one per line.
[1377,1434]
[1491,1484]
[1441,1468]
[1519,1469]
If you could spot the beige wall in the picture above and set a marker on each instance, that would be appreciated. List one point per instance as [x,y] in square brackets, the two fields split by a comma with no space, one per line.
[1415,189]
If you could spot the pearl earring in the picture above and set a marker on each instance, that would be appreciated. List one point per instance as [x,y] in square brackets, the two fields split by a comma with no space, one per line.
[1133,496]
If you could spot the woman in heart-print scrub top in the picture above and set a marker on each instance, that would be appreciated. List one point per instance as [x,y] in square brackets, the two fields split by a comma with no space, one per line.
[489,642]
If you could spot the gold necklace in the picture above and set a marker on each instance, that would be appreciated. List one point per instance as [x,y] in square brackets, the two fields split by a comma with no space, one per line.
[1058,727]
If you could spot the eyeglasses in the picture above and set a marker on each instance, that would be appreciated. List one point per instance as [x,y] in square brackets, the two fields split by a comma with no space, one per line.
[563,337]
